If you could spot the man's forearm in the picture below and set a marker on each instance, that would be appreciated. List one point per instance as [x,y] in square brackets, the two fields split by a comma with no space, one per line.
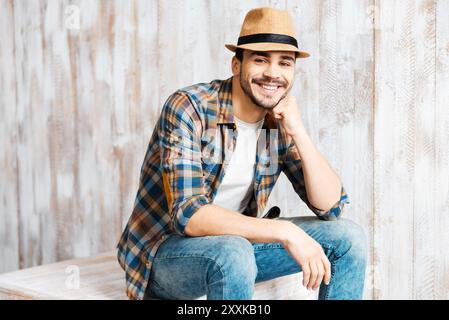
[212,220]
[322,184]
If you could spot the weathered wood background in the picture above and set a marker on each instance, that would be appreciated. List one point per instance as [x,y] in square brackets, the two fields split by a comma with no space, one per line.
[82,84]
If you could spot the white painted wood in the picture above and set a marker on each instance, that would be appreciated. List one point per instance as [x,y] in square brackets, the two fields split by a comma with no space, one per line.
[9,202]
[38,134]
[425,215]
[101,278]
[355,119]
[441,179]
[394,159]
[97,277]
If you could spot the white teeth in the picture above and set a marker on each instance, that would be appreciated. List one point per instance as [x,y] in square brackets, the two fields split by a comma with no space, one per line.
[271,88]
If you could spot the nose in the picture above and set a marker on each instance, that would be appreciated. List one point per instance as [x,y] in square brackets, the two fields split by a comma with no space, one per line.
[271,71]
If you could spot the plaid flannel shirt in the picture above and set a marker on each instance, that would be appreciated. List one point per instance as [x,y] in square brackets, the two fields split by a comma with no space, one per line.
[185,163]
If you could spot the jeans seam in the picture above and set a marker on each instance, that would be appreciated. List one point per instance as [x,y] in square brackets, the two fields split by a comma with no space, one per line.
[326,296]
[268,247]
[221,269]
[330,247]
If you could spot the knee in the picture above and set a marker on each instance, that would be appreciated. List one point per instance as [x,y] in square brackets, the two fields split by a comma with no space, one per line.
[236,260]
[353,239]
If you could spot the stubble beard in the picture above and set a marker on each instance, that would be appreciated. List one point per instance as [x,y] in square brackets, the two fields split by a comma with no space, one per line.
[247,90]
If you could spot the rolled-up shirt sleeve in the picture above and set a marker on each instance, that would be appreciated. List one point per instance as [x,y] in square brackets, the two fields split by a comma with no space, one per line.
[180,145]
[292,168]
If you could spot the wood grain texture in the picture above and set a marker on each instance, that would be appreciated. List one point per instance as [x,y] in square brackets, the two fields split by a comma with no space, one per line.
[100,278]
[36,71]
[395,130]
[409,124]
[440,222]
[426,217]
[82,84]
[9,201]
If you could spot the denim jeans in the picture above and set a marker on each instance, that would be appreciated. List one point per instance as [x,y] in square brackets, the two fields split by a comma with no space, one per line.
[227,267]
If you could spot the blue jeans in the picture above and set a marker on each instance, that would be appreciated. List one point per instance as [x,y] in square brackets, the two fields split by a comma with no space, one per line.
[227,267]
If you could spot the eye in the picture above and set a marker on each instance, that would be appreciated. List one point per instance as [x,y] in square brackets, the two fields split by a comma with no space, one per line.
[285,64]
[259,60]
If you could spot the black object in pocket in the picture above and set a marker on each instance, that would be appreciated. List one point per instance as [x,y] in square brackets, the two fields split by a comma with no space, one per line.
[273,213]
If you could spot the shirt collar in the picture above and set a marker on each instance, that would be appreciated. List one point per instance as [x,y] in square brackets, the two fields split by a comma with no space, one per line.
[225,109]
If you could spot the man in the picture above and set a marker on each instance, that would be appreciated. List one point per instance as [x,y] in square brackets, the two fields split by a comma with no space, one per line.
[197,226]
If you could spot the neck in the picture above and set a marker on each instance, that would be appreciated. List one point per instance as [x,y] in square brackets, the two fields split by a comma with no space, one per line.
[242,105]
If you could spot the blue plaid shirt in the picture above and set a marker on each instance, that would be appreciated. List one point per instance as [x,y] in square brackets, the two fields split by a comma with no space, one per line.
[185,163]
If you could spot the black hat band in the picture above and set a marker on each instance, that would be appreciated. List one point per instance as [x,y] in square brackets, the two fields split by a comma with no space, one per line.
[267,37]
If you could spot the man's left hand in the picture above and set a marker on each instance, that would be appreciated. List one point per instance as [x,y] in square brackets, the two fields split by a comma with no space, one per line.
[288,112]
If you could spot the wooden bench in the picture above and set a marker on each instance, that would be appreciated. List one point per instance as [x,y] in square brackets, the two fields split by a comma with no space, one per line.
[100,277]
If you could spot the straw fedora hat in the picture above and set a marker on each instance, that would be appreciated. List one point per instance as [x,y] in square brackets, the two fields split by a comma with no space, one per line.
[268,29]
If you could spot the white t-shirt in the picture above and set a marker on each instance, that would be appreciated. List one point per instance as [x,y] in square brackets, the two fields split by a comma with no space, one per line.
[235,190]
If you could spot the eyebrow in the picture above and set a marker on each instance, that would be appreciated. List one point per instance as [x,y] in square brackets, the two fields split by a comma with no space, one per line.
[259,53]
[267,55]
[288,58]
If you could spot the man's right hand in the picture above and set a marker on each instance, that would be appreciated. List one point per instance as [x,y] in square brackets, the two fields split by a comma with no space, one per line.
[309,255]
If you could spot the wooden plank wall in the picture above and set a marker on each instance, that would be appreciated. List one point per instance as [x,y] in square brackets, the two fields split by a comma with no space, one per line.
[82,84]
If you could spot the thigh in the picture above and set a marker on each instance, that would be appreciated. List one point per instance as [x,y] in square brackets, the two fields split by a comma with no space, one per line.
[335,237]
[273,261]
[183,266]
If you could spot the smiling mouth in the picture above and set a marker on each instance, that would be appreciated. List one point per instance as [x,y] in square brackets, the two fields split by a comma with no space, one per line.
[268,88]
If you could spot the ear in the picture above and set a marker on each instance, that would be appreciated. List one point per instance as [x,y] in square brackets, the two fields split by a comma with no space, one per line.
[235,65]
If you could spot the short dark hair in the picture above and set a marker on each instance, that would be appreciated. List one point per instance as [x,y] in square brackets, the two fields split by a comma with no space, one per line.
[239,54]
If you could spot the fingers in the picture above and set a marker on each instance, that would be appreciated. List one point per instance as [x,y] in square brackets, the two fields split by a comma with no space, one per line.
[280,107]
[277,114]
[316,272]
[327,271]
[320,275]
[306,274]
[313,274]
